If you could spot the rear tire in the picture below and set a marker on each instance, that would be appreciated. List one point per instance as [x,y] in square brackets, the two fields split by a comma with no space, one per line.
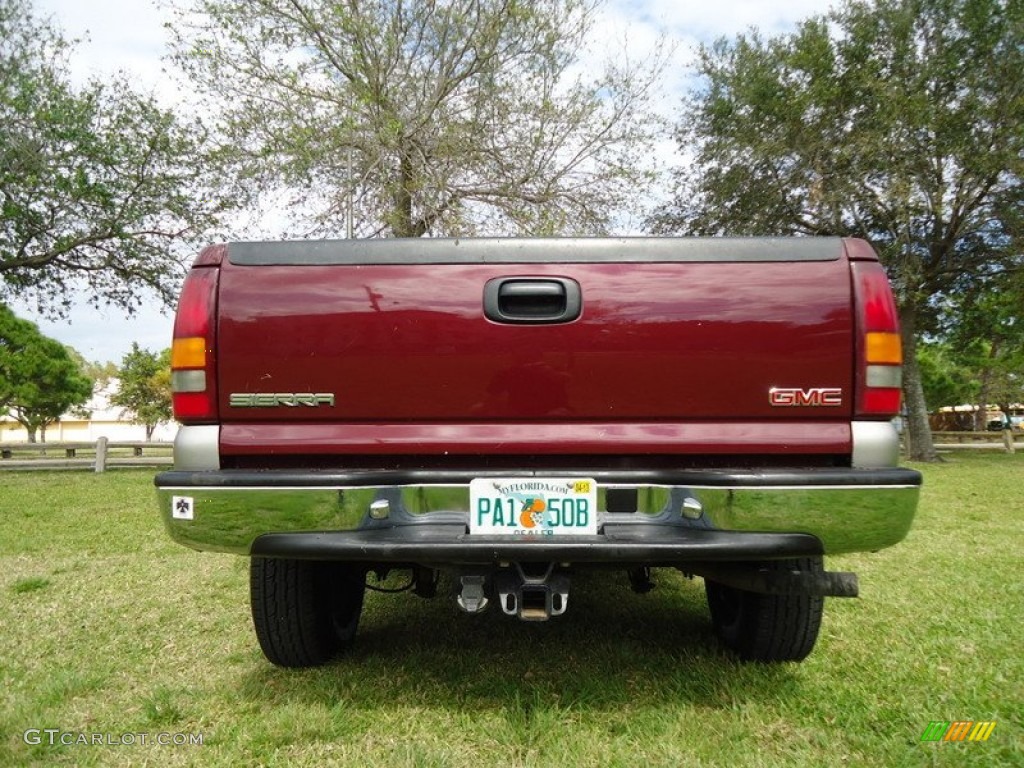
[767,628]
[304,611]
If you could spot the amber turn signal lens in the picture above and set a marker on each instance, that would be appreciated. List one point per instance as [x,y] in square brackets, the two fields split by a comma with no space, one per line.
[883,348]
[189,352]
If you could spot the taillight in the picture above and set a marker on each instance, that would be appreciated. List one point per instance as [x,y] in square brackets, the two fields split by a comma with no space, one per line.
[879,346]
[193,379]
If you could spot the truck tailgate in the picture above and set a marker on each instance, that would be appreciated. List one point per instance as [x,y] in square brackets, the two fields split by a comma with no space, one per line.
[669,340]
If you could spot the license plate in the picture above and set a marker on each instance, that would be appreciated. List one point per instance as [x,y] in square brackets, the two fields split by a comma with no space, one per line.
[530,506]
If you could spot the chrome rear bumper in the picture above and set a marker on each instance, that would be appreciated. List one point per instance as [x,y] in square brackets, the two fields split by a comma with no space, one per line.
[422,516]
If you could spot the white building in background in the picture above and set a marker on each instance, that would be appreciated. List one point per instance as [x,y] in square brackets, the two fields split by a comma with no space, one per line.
[105,420]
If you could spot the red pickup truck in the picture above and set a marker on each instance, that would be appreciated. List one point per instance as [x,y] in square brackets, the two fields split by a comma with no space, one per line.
[507,412]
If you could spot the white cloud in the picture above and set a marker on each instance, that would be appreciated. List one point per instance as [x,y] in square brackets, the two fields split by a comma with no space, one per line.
[116,36]
[687,24]
[706,21]
[106,334]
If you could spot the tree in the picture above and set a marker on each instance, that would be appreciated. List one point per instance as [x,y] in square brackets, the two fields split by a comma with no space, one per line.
[145,387]
[424,118]
[984,326]
[901,121]
[97,184]
[98,373]
[39,380]
[945,379]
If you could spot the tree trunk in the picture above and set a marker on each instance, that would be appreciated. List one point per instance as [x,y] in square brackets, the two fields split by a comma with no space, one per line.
[919,431]
[981,415]
[402,224]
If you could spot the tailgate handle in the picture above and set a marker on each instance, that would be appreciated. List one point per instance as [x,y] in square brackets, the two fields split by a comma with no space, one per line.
[532,300]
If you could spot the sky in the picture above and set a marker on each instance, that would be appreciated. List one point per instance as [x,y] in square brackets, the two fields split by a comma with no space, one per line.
[129,36]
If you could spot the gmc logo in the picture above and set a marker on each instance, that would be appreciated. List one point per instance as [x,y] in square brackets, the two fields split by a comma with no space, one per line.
[815,396]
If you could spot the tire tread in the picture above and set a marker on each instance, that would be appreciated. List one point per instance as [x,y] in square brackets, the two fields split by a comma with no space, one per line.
[296,610]
[768,628]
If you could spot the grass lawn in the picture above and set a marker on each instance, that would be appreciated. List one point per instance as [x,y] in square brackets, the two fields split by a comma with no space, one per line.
[110,630]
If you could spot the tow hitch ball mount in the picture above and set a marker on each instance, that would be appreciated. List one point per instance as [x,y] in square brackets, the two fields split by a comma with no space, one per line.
[530,592]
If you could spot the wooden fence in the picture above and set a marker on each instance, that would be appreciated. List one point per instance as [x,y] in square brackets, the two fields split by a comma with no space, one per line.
[1002,440]
[98,456]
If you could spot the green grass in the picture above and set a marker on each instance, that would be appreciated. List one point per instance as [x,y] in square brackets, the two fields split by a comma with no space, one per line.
[109,628]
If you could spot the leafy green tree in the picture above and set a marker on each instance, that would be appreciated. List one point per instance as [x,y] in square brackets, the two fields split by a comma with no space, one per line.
[439,118]
[97,184]
[99,373]
[901,121]
[145,387]
[984,326]
[945,379]
[39,380]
